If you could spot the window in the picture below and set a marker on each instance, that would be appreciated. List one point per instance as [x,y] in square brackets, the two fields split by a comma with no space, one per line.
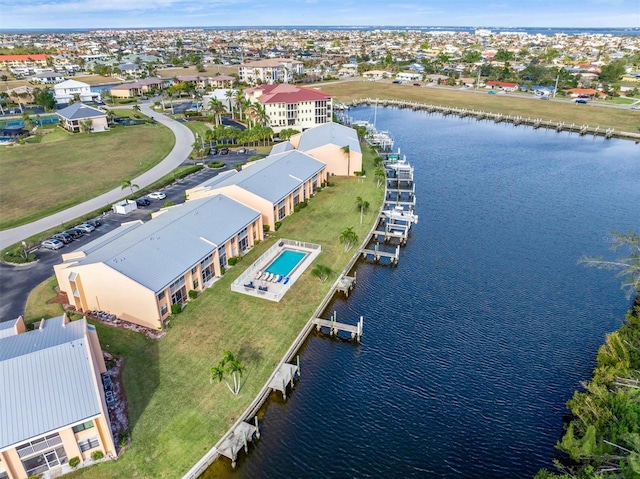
[195,283]
[89,443]
[178,291]
[38,445]
[45,461]
[222,255]
[281,210]
[83,426]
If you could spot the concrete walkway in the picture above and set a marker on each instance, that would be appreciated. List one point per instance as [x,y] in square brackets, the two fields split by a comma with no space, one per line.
[179,153]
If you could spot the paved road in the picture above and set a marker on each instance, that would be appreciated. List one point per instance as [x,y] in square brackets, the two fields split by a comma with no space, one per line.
[181,150]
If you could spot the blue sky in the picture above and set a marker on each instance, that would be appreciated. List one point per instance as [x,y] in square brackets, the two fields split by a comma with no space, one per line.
[182,13]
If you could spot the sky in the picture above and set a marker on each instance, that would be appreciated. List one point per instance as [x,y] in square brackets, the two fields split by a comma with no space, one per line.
[225,13]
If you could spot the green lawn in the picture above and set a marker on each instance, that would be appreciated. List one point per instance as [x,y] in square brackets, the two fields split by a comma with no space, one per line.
[620,119]
[58,170]
[176,414]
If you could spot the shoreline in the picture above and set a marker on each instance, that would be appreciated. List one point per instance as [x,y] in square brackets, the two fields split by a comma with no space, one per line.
[263,395]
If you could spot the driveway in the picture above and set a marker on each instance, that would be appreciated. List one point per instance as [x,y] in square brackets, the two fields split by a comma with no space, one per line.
[179,153]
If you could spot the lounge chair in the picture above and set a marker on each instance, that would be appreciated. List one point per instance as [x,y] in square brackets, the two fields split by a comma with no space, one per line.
[270,277]
[249,285]
[286,280]
[276,278]
[280,278]
[258,274]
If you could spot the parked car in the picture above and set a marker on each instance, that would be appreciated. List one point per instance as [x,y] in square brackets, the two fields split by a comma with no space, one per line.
[143,202]
[63,237]
[74,232]
[397,82]
[156,195]
[581,101]
[544,97]
[584,95]
[241,150]
[85,228]
[144,98]
[491,92]
[224,151]
[417,84]
[52,244]
[95,223]
[213,151]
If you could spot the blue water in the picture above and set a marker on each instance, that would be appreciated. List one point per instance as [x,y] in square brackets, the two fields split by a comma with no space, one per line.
[285,263]
[475,342]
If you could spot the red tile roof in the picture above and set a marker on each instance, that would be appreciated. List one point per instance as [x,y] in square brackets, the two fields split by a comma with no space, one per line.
[23,58]
[501,84]
[286,93]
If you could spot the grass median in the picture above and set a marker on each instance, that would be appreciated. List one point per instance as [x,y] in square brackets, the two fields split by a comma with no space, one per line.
[176,414]
[58,170]
[568,112]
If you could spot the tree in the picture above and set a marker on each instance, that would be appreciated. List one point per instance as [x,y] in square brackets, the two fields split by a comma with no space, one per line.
[86,125]
[136,107]
[503,55]
[321,272]
[128,184]
[28,124]
[228,365]
[346,150]
[230,94]
[218,109]
[45,99]
[362,206]
[349,238]
[628,266]
[613,71]
[380,175]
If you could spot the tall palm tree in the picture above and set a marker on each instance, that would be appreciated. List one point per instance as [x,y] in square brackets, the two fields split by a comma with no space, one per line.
[240,100]
[349,238]
[218,109]
[347,151]
[128,184]
[363,206]
[230,94]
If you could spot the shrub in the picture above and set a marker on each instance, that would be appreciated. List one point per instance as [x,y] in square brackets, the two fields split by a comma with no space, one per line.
[277,225]
[232,261]
[265,228]
[359,173]
[176,308]
[97,455]
[303,204]
[123,438]
[216,164]
[17,255]
[254,158]
[296,208]
[222,270]
[193,294]
[74,461]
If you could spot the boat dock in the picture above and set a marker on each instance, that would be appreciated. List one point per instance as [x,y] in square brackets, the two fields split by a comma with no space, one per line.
[335,327]
[516,120]
[240,437]
[284,376]
[377,254]
[346,283]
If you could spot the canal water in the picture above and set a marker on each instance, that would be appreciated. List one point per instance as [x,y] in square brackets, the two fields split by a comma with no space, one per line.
[474,343]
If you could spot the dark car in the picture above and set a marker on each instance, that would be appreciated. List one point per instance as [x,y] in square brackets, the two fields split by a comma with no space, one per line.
[417,84]
[143,202]
[397,82]
[75,233]
[94,223]
[581,100]
[224,151]
[213,151]
[63,237]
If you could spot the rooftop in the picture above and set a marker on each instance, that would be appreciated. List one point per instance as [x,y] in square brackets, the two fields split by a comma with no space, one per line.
[286,93]
[79,111]
[329,134]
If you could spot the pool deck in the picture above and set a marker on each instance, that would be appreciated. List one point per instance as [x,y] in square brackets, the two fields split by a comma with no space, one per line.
[254,282]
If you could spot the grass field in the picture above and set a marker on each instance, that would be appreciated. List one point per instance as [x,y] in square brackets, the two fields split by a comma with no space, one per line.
[176,414]
[620,119]
[58,170]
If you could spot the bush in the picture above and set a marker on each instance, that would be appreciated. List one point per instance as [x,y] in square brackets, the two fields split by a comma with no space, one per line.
[17,255]
[123,438]
[193,294]
[254,158]
[278,224]
[303,204]
[74,461]
[176,308]
[265,228]
[97,455]
[232,261]
[296,208]
[359,173]
[216,164]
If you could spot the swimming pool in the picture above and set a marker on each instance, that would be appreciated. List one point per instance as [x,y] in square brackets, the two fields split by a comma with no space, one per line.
[286,262]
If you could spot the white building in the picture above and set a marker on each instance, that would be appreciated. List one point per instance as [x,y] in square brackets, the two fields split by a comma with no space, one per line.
[409,76]
[47,77]
[290,106]
[67,90]
[275,70]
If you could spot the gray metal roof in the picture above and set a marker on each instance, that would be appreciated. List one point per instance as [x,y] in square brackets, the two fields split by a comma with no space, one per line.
[46,381]
[329,133]
[79,111]
[276,176]
[281,147]
[216,180]
[7,328]
[156,253]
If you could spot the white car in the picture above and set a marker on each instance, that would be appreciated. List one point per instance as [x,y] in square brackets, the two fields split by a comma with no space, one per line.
[156,195]
[85,228]
[52,244]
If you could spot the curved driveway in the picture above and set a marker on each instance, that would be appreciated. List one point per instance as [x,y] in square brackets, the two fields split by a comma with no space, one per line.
[179,153]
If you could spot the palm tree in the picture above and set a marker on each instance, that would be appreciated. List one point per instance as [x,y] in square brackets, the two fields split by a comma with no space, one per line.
[218,109]
[347,151]
[230,96]
[349,238]
[240,100]
[380,175]
[128,184]
[228,365]
[321,272]
[362,206]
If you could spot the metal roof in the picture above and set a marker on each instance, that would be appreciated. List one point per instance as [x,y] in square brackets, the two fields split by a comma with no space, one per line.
[8,328]
[156,253]
[329,133]
[276,176]
[46,381]
[281,147]
[78,111]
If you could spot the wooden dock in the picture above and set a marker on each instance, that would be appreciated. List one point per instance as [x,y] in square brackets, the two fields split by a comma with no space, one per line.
[377,254]
[284,376]
[346,283]
[335,327]
[239,438]
[392,231]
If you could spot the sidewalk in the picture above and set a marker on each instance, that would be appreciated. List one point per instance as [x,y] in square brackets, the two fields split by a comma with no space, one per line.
[179,153]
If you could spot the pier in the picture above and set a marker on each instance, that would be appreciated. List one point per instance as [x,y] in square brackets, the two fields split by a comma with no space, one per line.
[516,120]
[377,254]
[240,437]
[285,374]
[346,284]
[335,327]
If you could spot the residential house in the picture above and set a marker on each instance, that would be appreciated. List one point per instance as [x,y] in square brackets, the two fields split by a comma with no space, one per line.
[328,143]
[139,270]
[501,85]
[52,400]
[71,90]
[290,106]
[73,116]
[47,77]
[377,74]
[273,186]
[23,64]
[590,92]
[222,81]
[275,70]
[409,76]
[140,87]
